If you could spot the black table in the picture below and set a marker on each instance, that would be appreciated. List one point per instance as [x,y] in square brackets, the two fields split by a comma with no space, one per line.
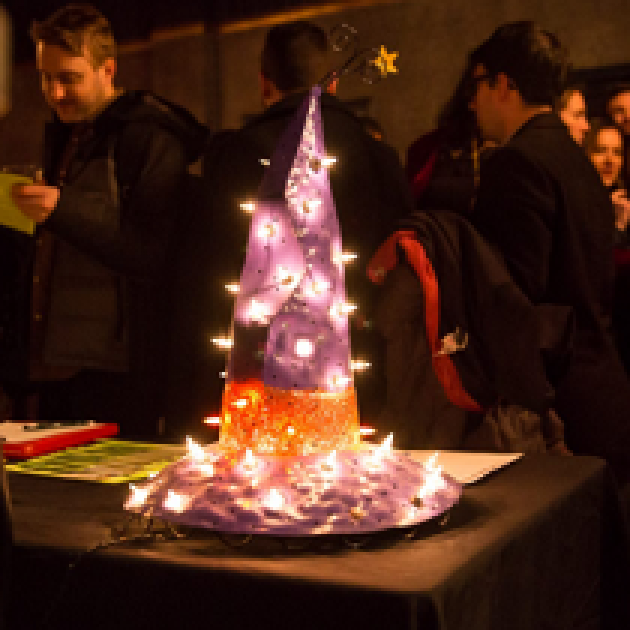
[540,544]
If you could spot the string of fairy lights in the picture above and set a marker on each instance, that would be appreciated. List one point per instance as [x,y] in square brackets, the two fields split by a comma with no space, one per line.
[289,460]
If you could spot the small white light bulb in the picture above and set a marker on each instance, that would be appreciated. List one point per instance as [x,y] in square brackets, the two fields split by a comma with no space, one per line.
[138,496]
[304,348]
[176,502]
[195,451]
[268,230]
[248,206]
[224,343]
[257,312]
[274,499]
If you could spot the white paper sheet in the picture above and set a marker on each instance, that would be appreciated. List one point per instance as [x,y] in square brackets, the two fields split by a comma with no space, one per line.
[468,467]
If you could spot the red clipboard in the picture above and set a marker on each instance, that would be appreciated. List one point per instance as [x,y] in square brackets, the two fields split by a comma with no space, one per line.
[26,439]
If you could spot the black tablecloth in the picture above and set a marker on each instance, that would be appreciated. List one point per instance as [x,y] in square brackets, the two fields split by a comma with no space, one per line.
[540,544]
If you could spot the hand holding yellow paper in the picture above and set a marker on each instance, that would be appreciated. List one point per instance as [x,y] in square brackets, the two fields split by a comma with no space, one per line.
[10,214]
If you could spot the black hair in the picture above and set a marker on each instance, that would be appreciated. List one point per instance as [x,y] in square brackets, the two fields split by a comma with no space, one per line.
[295,56]
[455,118]
[531,57]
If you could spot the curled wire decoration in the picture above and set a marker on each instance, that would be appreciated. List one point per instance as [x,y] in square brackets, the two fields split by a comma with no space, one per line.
[361,61]
[342,37]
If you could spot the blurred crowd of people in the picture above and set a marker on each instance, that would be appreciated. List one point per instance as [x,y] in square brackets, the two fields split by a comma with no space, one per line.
[521,174]
[605,140]
[485,274]
[444,165]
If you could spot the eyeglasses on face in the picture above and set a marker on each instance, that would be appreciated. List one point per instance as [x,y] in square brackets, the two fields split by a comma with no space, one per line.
[475,81]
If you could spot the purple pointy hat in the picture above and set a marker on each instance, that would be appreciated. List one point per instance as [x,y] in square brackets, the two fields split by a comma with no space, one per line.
[290,327]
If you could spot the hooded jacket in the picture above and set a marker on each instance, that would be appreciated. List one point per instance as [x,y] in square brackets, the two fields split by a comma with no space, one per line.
[113,227]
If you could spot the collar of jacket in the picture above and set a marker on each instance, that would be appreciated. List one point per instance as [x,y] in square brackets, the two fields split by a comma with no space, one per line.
[143,106]
[544,120]
[291,102]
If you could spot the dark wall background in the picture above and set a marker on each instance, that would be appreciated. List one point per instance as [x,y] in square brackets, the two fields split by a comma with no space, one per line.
[203,54]
[136,19]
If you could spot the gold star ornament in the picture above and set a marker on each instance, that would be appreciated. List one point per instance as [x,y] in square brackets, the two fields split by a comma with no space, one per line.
[385,62]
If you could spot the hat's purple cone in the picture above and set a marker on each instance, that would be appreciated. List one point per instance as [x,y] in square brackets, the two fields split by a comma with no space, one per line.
[290,320]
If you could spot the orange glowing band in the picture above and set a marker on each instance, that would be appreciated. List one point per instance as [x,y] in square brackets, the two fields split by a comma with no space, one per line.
[275,421]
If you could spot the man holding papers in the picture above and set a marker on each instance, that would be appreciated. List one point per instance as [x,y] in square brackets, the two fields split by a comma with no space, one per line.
[114,163]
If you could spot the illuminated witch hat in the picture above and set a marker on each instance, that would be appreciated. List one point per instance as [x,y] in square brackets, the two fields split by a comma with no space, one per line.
[289,461]
[289,381]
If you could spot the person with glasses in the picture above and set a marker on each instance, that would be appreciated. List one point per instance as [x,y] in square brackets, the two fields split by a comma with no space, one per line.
[443,166]
[542,205]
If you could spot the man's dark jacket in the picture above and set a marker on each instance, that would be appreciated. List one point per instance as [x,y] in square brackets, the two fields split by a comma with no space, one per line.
[542,205]
[368,183]
[370,194]
[114,226]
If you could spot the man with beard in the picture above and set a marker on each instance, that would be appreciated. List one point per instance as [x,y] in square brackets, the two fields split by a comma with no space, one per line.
[105,211]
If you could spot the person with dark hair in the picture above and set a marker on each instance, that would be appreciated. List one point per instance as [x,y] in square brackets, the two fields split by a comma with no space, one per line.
[294,55]
[603,144]
[618,105]
[542,205]
[114,163]
[367,182]
[618,108]
[453,318]
[571,108]
[443,165]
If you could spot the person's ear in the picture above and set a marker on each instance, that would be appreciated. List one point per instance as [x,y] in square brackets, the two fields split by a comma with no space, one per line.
[269,93]
[109,69]
[504,86]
